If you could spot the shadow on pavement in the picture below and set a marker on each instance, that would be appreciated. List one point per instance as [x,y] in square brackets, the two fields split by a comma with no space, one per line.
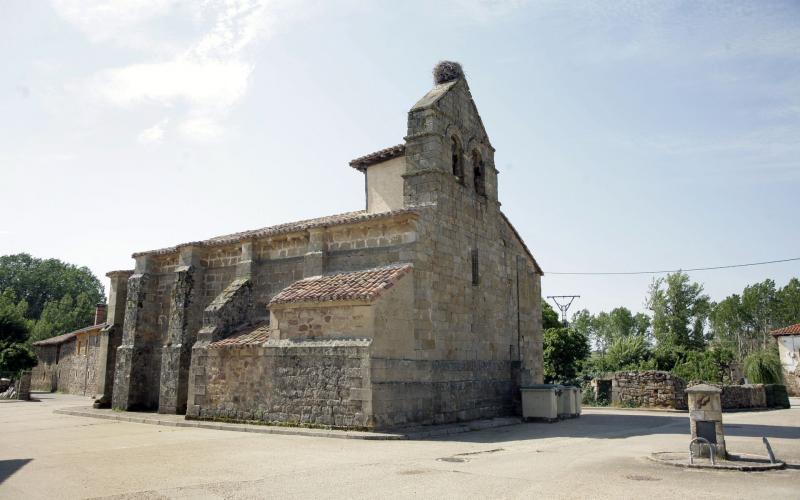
[609,426]
[9,467]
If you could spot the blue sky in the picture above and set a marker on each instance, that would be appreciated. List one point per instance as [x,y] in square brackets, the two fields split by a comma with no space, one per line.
[629,135]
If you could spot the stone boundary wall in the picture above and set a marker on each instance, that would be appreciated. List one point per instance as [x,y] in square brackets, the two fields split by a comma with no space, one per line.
[316,383]
[650,388]
[735,397]
[659,389]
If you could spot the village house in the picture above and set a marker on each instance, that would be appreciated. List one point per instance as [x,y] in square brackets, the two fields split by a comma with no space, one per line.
[422,308]
[68,362]
[788,339]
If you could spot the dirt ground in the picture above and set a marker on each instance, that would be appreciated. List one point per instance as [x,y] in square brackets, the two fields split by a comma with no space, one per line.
[600,455]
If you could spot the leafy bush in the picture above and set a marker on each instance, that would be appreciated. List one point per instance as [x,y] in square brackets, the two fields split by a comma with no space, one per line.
[627,353]
[564,352]
[588,397]
[763,367]
[16,358]
[712,365]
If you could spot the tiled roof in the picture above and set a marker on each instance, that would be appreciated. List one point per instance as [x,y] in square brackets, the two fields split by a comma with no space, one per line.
[378,156]
[363,286]
[60,339]
[291,227]
[251,336]
[787,330]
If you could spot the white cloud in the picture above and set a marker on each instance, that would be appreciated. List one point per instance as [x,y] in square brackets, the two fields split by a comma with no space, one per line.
[196,75]
[201,128]
[207,84]
[117,21]
[154,134]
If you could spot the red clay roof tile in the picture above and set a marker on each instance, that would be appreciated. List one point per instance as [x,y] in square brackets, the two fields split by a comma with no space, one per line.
[66,337]
[365,161]
[365,286]
[251,336]
[787,330]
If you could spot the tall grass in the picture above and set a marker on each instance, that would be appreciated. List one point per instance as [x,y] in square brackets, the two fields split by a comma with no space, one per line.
[763,367]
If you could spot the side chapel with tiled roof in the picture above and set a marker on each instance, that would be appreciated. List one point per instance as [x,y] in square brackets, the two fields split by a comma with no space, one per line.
[424,307]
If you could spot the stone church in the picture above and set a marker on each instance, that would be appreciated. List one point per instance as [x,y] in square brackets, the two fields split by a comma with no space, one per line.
[423,308]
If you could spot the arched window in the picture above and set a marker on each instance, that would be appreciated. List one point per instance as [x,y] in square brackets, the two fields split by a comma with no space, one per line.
[457,162]
[479,174]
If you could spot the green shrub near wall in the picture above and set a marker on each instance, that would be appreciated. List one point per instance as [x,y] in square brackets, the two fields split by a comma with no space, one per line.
[777,397]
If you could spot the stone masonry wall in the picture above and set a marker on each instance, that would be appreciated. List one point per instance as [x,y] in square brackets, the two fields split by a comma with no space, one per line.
[481,337]
[648,389]
[44,376]
[408,392]
[351,249]
[334,320]
[743,396]
[313,382]
[77,372]
[61,368]
[664,390]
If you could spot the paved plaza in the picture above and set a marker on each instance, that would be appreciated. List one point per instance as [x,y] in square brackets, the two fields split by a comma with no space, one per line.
[600,455]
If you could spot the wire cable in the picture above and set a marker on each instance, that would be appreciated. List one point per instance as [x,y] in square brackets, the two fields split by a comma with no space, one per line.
[677,270]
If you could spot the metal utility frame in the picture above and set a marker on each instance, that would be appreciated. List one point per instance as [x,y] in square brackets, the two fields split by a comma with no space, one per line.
[563,305]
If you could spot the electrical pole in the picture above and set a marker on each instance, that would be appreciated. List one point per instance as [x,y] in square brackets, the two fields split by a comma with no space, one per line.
[563,305]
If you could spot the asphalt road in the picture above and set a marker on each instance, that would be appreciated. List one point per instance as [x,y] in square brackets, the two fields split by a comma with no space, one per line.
[600,455]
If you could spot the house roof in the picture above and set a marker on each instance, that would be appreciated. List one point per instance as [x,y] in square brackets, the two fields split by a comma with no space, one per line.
[787,330]
[291,227]
[365,286]
[362,162]
[255,335]
[66,337]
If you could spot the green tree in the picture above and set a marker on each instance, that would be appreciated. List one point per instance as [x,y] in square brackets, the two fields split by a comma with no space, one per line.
[14,354]
[564,351]
[38,281]
[680,310]
[727,324]
[14,326]
[621,323]
[15,358]
[788,307]
[604,328]
[549,316]
[585,323]
[63,316]
[759,308]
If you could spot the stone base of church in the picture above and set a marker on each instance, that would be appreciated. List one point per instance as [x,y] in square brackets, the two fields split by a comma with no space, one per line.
[336,383]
